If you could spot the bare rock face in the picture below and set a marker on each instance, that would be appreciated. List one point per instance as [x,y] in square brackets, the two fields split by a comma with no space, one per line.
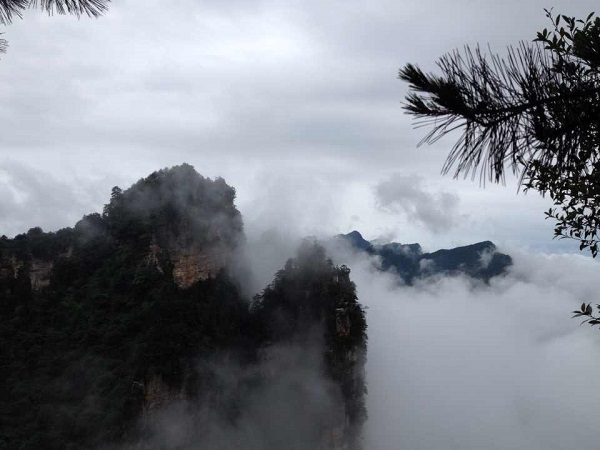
[157,395]
[39,270]
[190,263]
[39,273]
[194,224]
[154,256]
[193,265]
[9,267]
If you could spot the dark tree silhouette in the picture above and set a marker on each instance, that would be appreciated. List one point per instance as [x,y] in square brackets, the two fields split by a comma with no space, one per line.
[535,110]
[9,9]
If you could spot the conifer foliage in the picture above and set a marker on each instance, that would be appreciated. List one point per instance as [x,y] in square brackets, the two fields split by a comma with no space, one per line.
[536,111]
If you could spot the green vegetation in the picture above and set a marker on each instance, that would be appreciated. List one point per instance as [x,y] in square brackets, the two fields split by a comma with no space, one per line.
[536,110]
[92,316]
[311,291]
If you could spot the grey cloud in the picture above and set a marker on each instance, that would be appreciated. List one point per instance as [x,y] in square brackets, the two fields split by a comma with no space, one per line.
[409,195]
[296,201]
[486,257]
[257,80]
[30,198]
[111,84]
[426,265]
[266,252]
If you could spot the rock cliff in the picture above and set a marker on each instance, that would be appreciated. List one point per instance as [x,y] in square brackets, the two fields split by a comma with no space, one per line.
[128,326]
[190,223]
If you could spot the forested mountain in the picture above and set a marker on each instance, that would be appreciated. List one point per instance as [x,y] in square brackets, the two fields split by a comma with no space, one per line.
[480,260]
[110,327]
[311,291]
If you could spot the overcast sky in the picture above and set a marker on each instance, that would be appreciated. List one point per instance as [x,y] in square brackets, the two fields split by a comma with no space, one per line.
[295,103]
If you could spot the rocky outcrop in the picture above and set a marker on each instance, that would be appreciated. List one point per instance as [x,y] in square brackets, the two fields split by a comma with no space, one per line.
[39,273]
[311,298]
[9,267]
[193,265]
[194,224]
[189,264]
[158,395]
[154,256]
[342,322]
[38,270]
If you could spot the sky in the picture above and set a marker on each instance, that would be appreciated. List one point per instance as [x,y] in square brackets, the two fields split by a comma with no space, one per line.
[296,104]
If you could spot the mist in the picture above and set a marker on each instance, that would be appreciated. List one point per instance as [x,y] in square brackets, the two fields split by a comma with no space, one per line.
[285,401]
[458,364]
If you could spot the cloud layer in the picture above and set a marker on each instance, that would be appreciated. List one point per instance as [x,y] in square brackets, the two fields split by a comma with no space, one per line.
[459,365]
[408,194]
[305,89]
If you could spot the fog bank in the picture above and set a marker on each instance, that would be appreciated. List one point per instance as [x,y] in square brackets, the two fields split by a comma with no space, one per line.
[455,364]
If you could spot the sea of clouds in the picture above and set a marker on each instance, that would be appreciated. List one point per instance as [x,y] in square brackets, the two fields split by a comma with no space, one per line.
[456,364]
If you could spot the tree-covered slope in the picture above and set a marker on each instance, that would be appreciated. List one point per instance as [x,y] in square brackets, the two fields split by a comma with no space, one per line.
[90,314]
[105,325]
[308,293]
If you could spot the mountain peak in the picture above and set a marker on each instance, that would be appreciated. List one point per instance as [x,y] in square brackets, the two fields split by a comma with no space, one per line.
[480,260]
[355,239]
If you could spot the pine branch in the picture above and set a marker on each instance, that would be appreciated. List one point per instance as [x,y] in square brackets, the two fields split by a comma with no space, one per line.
[508,109]
[91,8]
[9,9]
[3,45]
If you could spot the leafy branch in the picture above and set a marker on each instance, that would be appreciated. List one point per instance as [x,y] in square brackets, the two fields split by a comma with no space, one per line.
[535,111]
[586,311]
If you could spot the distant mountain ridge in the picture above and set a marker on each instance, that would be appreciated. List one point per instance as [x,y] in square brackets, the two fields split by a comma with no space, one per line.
[480,260]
